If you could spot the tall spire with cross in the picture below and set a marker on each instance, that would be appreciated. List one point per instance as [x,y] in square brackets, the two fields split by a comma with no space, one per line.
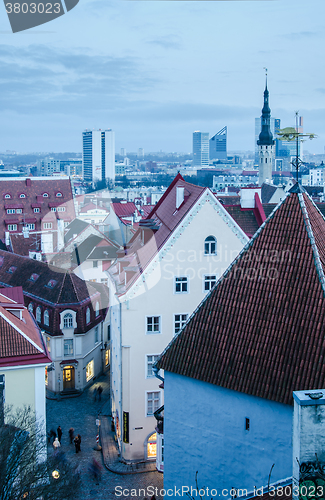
[265,141]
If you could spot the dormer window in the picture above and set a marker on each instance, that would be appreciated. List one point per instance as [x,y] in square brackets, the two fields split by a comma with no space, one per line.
[12,269]
[45,195]
[33,277]
[1,261]
[67,321]
[51,284]
[58,195]
[22,195]
[46,318]
[7,196]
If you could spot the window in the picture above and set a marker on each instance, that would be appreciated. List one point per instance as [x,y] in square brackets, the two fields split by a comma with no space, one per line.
[58,195]
[22,195]
[153,402]
[30,226]
[7,196]
[66,223]
[48,343]
[210,246]
[47,225]
[179,321]
[38,314]
[97,309]
[19,211]
[67,321]
[95,263]
[51,284]
[46,318]
[53,209]
[209,281]
[45,195]
[107,357]
[68,347]
[36,210]
[12,227]
[33,277]
[153,324]
[90,371]
[87,315]
[11,211]
[151,359]
[30,308]
[96,334]
[61,209]
[181,284]
[12,269]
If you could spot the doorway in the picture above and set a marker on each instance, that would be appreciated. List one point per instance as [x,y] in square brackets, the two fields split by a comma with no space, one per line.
[68,378]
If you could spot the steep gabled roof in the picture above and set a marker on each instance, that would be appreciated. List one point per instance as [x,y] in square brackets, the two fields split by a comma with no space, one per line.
[261,330]
[45,282]
[20,338]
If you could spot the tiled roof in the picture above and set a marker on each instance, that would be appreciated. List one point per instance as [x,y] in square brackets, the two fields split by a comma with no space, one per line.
[261,330]
[20,339]
[92,206]
[124,209]
[245,218]
[229,200]
[28,194]
[51,285]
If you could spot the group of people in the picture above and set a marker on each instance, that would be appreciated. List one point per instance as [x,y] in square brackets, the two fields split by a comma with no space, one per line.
[55,438]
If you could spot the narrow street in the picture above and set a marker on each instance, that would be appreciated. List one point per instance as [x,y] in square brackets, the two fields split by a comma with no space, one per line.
[81,413]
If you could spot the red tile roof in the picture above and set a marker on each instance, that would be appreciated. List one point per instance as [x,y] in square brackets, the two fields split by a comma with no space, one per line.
[261,330]
[125,209]
[32,190]
[21,342]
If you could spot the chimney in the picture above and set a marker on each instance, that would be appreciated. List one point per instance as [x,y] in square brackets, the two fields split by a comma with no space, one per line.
[247,197]
[28,182]
[179,196]
[308,439]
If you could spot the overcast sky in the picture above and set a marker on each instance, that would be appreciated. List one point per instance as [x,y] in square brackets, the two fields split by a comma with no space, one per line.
[154,71]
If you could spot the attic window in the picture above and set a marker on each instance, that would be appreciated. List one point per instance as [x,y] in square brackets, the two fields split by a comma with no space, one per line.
[58,195]
[22,195]
[51,284]
[45,195]
[1,261]
[12,269]
[33,277]
[7,196]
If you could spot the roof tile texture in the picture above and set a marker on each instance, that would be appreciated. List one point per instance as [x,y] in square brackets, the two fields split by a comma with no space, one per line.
[261,330]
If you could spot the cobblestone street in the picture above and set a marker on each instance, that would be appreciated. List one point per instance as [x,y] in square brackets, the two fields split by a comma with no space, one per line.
[81,413]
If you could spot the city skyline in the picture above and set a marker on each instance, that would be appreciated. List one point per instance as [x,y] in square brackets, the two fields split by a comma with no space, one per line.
[74,73]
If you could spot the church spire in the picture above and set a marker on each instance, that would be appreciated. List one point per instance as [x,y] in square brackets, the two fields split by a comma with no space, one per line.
[266,137]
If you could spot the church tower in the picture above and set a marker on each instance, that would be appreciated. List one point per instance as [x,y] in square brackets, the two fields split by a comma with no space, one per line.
[265,142]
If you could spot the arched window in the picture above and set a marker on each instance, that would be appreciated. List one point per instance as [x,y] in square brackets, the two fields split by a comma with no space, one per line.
[45,195]
[7,196]
[210,246]
[31,307]
[97,309]
[22,195]
[87,315]
[46,318]
[38,314]
[58,195]
[67,321]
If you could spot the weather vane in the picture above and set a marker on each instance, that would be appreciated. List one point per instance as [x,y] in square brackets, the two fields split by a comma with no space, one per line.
[293,134]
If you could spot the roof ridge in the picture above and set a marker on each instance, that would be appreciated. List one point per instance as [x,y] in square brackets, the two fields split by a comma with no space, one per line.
[22,333]
[168,190]
[73,285]
[310,233]
[59,295]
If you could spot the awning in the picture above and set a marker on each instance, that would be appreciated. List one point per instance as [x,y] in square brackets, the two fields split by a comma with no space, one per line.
[69,362]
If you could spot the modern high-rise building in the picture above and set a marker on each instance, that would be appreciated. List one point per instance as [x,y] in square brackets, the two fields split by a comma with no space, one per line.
[98,155]
[200,148]
[218,145]
[265,143]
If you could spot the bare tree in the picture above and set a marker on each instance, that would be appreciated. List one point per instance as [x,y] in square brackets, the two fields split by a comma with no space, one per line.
[26,472]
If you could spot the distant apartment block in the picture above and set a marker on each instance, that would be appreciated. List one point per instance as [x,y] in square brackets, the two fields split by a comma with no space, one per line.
[98,155]
[200,148]
[218,145]
[316,177]
[50,167]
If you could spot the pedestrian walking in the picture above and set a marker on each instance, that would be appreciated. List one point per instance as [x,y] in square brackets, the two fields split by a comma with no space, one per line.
[56,444]
[95,394]
[77,442]
[59,431]
[95,469]
[71,434]
[100,390]
[52,436]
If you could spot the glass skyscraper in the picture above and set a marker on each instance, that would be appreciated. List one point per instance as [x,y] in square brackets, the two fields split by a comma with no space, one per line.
[98,155]
[200,148]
